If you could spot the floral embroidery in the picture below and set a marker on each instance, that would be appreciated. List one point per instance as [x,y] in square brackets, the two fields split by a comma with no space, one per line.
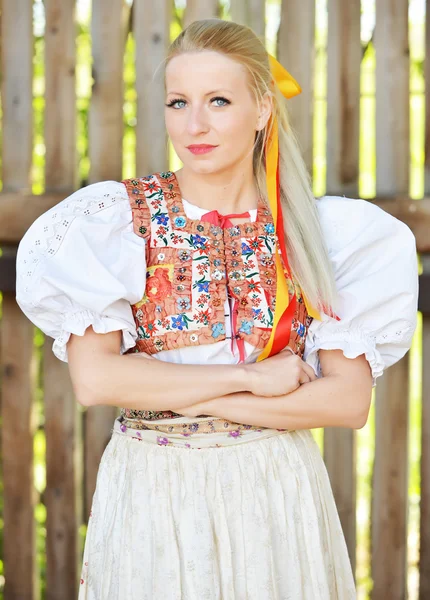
[180,222]
[183,303]
[217,329]
[158,285]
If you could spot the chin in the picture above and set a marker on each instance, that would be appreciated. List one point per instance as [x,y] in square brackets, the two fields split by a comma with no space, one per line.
[201,166]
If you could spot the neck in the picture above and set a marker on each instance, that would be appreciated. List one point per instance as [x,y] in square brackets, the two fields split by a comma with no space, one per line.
[225,192]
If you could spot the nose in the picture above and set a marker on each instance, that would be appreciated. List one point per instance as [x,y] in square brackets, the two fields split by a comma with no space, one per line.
[197,120]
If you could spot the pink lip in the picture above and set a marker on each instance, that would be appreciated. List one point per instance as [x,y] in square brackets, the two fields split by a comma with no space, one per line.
[200,148]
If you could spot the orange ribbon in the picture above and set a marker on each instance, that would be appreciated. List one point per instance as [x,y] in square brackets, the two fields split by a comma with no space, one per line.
[284,309]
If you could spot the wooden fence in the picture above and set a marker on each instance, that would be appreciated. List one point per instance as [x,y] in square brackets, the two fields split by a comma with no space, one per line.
[71,466]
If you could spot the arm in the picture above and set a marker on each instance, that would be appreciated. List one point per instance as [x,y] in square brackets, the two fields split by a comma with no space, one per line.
[341,398]
[101,376]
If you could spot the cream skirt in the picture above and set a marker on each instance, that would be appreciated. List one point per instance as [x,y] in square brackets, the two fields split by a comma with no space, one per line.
[210,510]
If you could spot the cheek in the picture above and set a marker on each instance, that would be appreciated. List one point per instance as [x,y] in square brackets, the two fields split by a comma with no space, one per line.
[237,129]
[172,125]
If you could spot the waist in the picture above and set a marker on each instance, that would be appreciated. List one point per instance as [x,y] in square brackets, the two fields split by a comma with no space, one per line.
[191,432]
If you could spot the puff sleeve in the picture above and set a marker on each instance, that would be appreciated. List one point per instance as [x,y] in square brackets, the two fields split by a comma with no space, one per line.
[375,263]
[81,264]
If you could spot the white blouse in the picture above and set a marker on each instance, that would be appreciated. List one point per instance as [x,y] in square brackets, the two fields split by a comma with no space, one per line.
[80,263]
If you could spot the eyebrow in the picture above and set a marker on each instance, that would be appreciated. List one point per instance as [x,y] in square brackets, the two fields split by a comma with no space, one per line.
[212,92]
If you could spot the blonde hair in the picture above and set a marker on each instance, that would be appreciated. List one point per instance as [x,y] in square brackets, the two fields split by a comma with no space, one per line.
[307,252]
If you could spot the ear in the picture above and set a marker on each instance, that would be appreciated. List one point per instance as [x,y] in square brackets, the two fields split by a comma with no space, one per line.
[265,111]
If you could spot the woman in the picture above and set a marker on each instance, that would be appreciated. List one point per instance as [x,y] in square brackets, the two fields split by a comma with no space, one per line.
[256,312]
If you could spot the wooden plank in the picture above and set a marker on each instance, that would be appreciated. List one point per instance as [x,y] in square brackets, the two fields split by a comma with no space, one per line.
[296,52]
[17,81]
[106,127]
[251,13]
[424,559]
[18,383]
[427,101]
[60,97]
[109,31]
[200,9]
[340,460]
[19,545]
[62,496]
[390,484]
[343,97]
[343,117]
[152,35]
[390,499]
[392,97]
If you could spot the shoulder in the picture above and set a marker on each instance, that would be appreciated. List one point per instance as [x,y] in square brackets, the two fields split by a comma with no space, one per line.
[360,223]
[92,198]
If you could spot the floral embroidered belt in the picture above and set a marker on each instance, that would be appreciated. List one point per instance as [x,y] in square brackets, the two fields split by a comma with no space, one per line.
[183,425]
[191,432]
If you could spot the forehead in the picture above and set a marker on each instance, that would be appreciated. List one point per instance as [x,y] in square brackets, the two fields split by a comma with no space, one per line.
[197,70]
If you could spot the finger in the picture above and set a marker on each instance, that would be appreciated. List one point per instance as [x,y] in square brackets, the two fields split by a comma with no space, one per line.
[304,377]
[309,370]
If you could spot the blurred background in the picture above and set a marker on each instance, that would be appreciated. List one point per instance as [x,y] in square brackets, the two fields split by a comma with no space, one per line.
[82,100]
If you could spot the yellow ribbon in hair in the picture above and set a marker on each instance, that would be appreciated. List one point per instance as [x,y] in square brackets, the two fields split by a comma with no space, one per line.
[289,88]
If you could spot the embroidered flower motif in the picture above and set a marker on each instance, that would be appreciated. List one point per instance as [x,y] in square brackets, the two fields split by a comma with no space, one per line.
[246,249]
[218,275]
[158,344]
[254,286]
[246,327]
[158,285]
[180,321]
[202,316]
[256,313]
[194,337]
[162,219]
[266,260]
[184,255]
[217,262]
[198,241]
[256,243]
[238,275]
[183,303]
[151,186]
[202,286]
[269,227]
[161,256]
[162,441]
[235,434]
[217,329]
[175,209]
[180,222]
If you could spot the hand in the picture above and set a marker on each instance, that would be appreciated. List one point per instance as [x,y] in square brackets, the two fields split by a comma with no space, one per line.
[279,374]
[200,408]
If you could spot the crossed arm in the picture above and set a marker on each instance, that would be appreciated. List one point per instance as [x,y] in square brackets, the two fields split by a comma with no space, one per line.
[341,398]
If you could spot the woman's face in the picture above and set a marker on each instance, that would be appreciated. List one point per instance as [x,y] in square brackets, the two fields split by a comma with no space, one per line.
[208,101]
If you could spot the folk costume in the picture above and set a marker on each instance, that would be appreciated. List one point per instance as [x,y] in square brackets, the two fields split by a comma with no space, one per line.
[192,508]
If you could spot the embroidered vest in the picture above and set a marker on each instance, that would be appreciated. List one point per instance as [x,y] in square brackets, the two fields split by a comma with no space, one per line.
[193,265]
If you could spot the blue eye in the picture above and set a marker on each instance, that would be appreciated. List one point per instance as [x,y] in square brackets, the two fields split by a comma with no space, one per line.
[172,102]
[175,100]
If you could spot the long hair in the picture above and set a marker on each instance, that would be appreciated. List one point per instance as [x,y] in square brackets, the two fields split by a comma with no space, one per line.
[305,244]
